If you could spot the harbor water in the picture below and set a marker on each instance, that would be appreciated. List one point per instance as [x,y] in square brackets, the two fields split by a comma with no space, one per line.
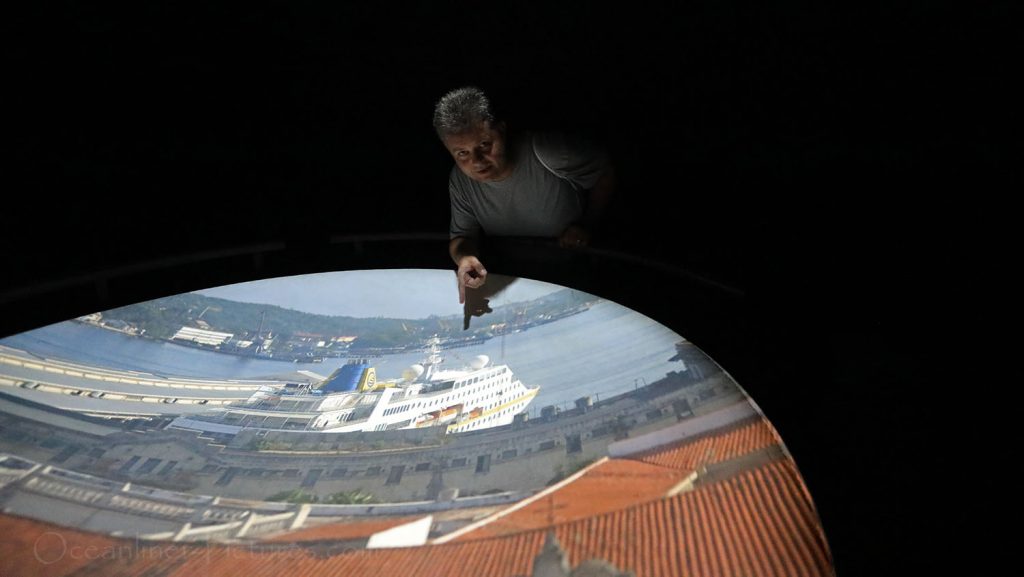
[606,350]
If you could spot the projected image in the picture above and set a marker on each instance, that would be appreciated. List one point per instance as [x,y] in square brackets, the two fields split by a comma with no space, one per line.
[366,419]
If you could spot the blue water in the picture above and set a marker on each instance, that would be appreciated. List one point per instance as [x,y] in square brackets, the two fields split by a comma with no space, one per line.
[601,352]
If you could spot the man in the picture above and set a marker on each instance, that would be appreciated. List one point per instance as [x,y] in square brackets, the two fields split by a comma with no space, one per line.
[503,184]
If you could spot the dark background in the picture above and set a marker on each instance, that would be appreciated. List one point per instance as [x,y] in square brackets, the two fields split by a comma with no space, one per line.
[831,177]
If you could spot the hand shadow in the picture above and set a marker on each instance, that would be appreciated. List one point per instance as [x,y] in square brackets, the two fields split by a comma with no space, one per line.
[478,300]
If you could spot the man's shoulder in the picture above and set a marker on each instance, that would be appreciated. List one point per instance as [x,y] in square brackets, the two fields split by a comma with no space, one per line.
[548,142]
[558,150]
[459,184]
[456,177]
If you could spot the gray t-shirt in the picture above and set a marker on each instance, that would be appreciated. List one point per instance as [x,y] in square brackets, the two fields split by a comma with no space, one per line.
[533,200]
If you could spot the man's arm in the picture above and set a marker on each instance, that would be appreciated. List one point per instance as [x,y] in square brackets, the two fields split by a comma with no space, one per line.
[580,232]
[465,251]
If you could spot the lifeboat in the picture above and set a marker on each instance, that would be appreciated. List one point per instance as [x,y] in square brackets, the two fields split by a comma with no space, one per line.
[449,413]
[427,419]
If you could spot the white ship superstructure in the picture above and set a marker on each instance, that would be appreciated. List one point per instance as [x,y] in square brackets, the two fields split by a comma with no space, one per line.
[478,396]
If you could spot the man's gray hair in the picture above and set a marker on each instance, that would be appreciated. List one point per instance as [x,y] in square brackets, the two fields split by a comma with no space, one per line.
[461,110]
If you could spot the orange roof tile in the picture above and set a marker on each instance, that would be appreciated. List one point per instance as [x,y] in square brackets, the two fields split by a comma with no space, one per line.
[612,485]
[32,547]
[619,483]
[758,523]
[690,454]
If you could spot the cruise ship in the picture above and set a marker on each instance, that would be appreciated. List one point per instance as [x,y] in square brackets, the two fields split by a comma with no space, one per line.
[478,396]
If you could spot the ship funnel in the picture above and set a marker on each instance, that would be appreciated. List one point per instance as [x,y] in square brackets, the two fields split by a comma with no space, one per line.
[479,361]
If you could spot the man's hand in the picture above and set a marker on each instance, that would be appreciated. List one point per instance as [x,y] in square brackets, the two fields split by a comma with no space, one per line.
[474,307]
[574,237]
[471,274]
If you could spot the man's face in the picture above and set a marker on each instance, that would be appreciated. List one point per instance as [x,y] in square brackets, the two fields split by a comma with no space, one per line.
[480,153]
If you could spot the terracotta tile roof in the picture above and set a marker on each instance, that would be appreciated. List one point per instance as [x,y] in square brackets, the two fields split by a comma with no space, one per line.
[342,530]
[713,448]
[31,547]
[612,485]
[620,483]
[758,523]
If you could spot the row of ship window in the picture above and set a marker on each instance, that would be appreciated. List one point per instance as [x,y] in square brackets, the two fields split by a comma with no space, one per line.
[495,372]
[473,425]
[393,410]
